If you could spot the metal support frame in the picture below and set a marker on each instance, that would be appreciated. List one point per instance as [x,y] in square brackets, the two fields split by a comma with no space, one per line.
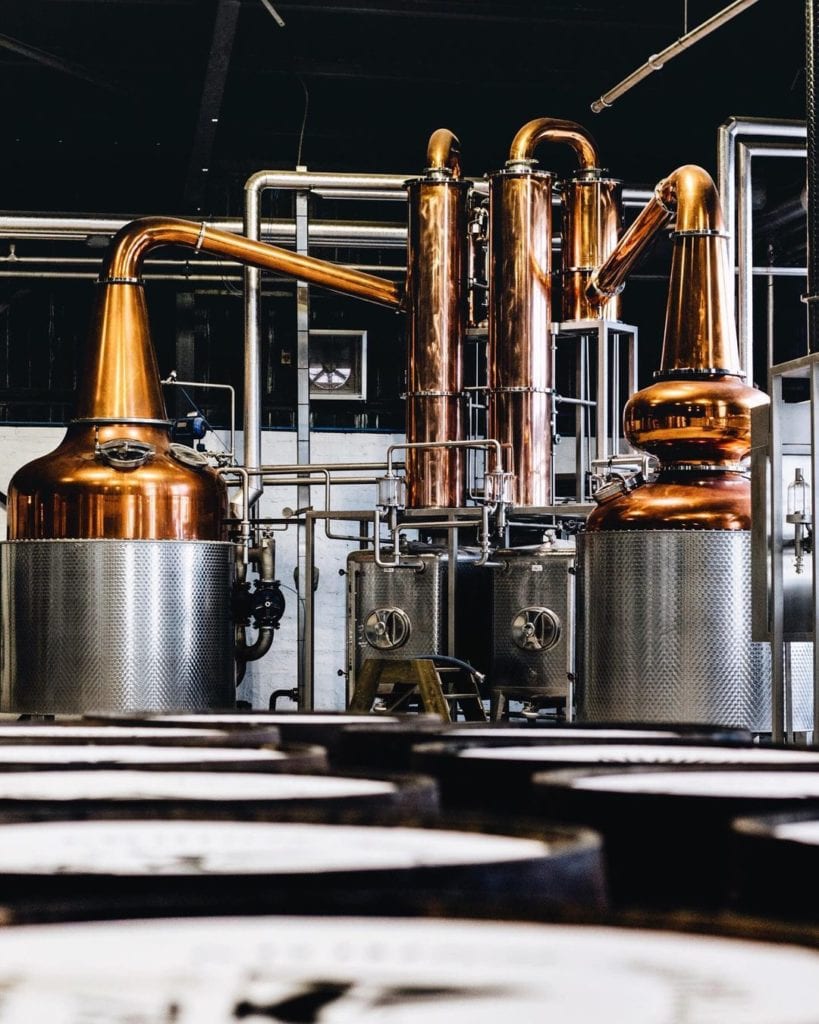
[781,631]
[304,529]
[781,711]
[744,246]
[734,129]
[607,390]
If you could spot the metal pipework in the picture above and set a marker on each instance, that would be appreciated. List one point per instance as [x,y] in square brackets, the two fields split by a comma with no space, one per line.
[72,492]
[437,301]
[172,380]
[658,60]
[396,529]
[729,135]
[496,504]
[255,185]
[519,360]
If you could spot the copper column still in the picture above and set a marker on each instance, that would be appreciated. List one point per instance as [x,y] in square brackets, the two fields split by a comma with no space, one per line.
[437,300]
[114,474]
[520,300]
[696,418]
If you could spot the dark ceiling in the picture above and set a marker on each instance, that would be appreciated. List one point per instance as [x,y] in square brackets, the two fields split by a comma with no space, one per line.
[119,105]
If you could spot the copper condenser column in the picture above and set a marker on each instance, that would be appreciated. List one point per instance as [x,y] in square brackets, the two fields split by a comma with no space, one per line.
[519,358]
[592,221]
[436,303]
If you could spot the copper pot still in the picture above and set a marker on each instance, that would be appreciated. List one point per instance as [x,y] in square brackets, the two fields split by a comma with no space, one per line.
[696,417]
[115,581]
[664,566]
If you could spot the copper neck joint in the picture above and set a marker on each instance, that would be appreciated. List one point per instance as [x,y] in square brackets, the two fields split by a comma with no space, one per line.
[443,155]
[553,129]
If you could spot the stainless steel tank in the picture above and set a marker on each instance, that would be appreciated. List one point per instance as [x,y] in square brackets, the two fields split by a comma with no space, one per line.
[533,618]
[394,613]
[682,651]
[115,625]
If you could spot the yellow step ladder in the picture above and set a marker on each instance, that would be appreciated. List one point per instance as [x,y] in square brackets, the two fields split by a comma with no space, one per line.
[398,681]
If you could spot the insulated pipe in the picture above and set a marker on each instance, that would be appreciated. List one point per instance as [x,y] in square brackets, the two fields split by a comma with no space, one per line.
[325,233]
[322,233]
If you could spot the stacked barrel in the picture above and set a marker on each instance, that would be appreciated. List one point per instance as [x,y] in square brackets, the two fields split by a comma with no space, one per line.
[309,866]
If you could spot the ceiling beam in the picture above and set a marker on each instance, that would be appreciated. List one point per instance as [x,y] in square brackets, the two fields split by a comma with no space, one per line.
[527,13]
[210,106]
[49,60]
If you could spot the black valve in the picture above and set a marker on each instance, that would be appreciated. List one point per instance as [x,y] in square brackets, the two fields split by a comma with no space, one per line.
[264,604]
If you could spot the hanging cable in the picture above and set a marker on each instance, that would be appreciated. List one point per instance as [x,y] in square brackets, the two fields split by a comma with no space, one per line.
[303,120]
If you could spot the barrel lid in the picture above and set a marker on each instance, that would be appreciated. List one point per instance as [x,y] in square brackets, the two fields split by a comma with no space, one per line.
[207,847]
[55,755]
[213,787]
[396,970]
[603,754]
[716,784]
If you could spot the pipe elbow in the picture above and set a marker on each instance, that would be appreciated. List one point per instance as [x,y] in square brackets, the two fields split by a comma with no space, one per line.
[692,192]
[554,129]
[258,649]
[444,152]
[135,239]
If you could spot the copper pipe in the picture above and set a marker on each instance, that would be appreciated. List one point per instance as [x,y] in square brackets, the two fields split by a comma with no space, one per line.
[591,212]
[553,129]
[437,289]
[519,357]
[140,236]
[444,152]
[696,418]
[609,279]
